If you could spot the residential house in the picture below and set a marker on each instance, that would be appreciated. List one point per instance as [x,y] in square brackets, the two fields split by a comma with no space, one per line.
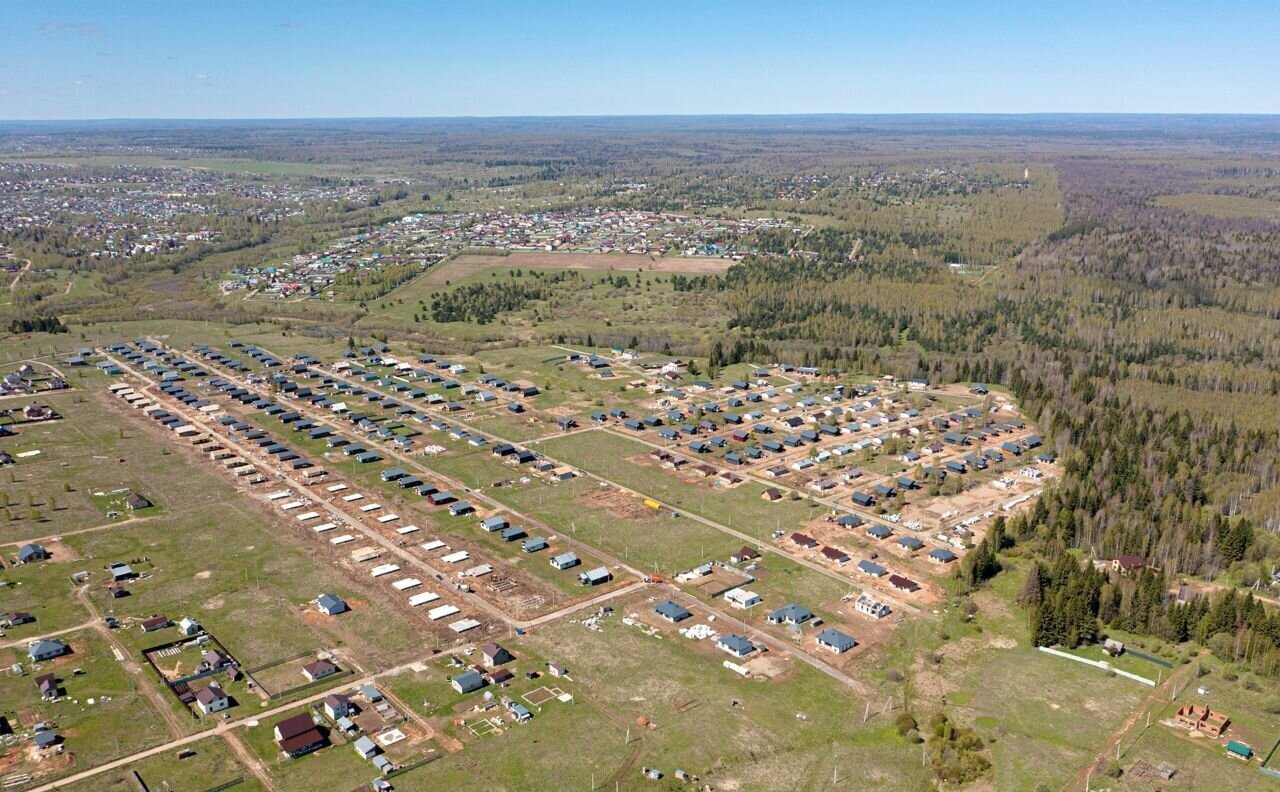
[156,623]
[319,670]
[495,655]
[29,553]
[745,554]
[47,684]
[869,606]
[330,604]
[672,612]
[835,641]
[900,583]
[792,615]
[212,699]
[742,598]
[298,736]
[735,645]
[594,577]
[337,705]
[565,561]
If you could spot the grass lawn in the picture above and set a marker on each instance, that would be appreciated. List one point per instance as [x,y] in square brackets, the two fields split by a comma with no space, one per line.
[1044,717]
[338,764]
[118,722]
[646,539]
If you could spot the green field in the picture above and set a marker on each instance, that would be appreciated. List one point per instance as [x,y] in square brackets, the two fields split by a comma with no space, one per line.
[117,722]
[741,507]
[213,764]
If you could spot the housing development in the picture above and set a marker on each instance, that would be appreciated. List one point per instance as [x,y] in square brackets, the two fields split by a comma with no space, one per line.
[417,455]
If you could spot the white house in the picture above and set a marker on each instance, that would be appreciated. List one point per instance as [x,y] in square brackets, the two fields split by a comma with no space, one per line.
[741,598]
[212,699]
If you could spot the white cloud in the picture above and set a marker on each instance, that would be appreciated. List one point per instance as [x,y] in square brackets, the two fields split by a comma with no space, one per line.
[83,28]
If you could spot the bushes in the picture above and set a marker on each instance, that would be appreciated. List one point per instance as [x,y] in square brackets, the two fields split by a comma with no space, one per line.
[956,753]
[905,723]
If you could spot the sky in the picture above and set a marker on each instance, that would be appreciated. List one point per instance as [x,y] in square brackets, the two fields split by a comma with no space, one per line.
[395,58]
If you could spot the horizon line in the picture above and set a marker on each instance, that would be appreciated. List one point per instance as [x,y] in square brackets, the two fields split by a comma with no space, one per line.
[616,116]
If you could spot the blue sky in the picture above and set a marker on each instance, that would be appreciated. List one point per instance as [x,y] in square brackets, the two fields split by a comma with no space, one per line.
[232,59]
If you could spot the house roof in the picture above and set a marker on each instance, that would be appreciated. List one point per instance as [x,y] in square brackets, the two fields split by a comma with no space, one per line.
[336,700]
[330,601]
[210,694]
[45,647]
[737,644]
[792,613]
[319,667]
[836,640]
[295,726]
[469,680]
[672,611]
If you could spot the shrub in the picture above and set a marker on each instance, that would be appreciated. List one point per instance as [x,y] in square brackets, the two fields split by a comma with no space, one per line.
[905,723]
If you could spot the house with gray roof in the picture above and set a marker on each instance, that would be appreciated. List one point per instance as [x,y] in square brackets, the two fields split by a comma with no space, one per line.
[835,640]
[671,611]
[790,614]
[46,650]
[735,645]
[330,604]
[565,561]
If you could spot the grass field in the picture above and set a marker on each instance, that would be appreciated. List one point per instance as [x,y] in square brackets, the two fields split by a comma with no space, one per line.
[790,734]
[118,722]
[740,507]
[213,764]
[1041,729]
[44,590]
[233,575]
[88,451]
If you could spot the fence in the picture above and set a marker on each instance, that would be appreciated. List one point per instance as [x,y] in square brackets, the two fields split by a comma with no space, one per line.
[232,783]
[1098,664]
[1149,658]
[406,768]
[327,680]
